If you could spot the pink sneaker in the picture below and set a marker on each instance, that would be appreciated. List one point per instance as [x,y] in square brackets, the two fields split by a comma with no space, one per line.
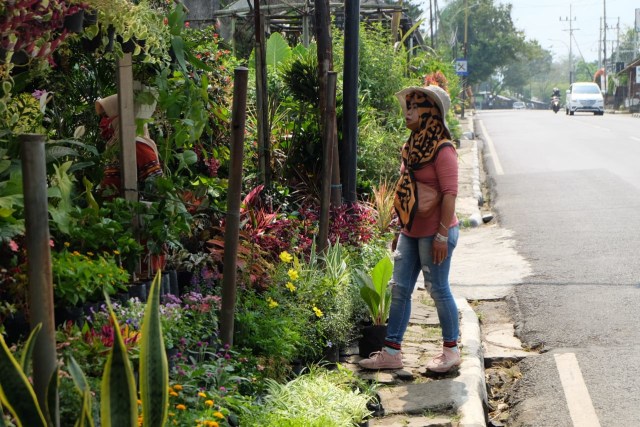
[382,360]
[445,361]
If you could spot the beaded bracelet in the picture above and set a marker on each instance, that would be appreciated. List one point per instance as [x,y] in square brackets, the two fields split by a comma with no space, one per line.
[440,238]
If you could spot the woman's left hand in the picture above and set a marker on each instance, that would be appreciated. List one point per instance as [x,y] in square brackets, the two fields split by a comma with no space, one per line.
[439,252]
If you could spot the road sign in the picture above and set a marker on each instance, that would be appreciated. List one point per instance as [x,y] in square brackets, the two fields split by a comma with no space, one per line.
[461,67]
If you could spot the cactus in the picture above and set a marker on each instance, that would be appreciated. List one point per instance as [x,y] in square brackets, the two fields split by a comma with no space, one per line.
[118,390]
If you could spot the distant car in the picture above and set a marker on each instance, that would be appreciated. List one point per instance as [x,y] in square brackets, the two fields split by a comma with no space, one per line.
[584,96]
[519,105]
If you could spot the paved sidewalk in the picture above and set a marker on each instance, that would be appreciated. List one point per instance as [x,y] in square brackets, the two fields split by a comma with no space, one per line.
[414,397]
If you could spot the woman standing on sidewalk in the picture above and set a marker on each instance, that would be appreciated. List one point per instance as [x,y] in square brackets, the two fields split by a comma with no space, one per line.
[426,242]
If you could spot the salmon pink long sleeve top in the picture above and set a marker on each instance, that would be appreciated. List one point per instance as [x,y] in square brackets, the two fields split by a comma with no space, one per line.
[441,174]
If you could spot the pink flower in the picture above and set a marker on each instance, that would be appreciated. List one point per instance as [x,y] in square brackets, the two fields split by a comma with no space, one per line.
[37,94]
[14,246]
[51,243]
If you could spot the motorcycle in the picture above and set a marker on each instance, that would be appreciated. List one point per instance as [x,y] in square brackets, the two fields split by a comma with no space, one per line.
[555,104]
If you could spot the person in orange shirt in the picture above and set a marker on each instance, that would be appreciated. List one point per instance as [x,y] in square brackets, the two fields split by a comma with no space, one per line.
[147,157]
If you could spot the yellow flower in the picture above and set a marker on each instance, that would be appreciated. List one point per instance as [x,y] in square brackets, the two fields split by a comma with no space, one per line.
[291,286]
[67,244]
[218,414]
[116,252]
[272,303]
[181,407]
[173,393]
[293,274]
[177,387]
[317,311]
[201,394]
[90,253]
[209,403]
[76,253]
[211,423]
[285,256]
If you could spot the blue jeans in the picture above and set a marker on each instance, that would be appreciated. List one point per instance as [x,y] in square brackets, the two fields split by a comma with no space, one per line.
[413,255]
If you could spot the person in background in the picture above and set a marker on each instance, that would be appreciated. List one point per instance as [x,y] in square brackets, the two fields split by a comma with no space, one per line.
[425,244]
[147,158]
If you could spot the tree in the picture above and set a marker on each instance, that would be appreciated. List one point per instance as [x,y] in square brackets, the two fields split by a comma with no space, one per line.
[626,50]
[531,63]
[492,39]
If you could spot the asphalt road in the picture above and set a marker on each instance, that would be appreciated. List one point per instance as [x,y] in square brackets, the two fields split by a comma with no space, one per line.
[568,187]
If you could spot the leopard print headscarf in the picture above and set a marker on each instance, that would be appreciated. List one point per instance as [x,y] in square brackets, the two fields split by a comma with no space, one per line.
[421,148]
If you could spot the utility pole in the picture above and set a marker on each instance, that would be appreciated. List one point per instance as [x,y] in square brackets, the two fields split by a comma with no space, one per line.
[604,60]
[570,19]
[464,54]
[599,49]
[431,20]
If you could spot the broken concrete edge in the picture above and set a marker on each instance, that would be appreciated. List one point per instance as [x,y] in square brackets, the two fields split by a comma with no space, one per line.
[471,405]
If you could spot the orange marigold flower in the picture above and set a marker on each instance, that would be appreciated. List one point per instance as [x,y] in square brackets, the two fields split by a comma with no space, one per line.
[218,414]
[209,403]
[181,407]
[201,394]
[177,387]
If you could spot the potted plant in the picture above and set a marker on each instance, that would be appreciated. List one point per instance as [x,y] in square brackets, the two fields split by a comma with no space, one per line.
[79,278]
[376,294]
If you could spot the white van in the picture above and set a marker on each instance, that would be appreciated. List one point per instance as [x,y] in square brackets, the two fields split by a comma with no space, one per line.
[584,96]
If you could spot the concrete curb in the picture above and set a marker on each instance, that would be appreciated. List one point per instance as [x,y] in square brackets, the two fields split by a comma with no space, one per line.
[471,403]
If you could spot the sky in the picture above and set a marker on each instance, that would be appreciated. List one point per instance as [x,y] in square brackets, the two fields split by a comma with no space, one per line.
[541,20]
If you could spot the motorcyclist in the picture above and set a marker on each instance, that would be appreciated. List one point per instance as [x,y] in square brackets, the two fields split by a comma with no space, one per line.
[555,100]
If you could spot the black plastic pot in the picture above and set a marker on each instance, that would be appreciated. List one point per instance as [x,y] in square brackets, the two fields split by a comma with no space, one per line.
[173,282]
[111,33]
[74,23]
[372,339]
[16,328]
[138,290]
[19,58]
[90,18]
[184,279]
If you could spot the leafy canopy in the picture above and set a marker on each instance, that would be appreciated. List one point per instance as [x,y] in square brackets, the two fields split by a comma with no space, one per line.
[492,39]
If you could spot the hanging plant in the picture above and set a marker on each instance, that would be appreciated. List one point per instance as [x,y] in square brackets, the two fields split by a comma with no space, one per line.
[30,30]
[138,28]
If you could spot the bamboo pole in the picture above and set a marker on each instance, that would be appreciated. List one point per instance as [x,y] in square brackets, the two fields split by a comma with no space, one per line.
[325,63]
[129,168]
[262,99]
[350,100]
[238,116]
[34,182]
[327,161]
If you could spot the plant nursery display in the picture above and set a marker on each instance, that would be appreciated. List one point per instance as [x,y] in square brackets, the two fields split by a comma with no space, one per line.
[138,283]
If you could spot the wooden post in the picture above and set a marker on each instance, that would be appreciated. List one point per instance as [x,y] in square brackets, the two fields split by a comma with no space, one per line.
[262,99]
[34,181]
[327,162]
[128,165]
[238,116]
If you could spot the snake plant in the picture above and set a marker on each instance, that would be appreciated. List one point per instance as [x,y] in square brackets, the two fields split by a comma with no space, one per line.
[119,405]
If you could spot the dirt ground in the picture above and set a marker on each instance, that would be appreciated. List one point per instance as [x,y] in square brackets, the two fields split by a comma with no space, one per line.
[500,375]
